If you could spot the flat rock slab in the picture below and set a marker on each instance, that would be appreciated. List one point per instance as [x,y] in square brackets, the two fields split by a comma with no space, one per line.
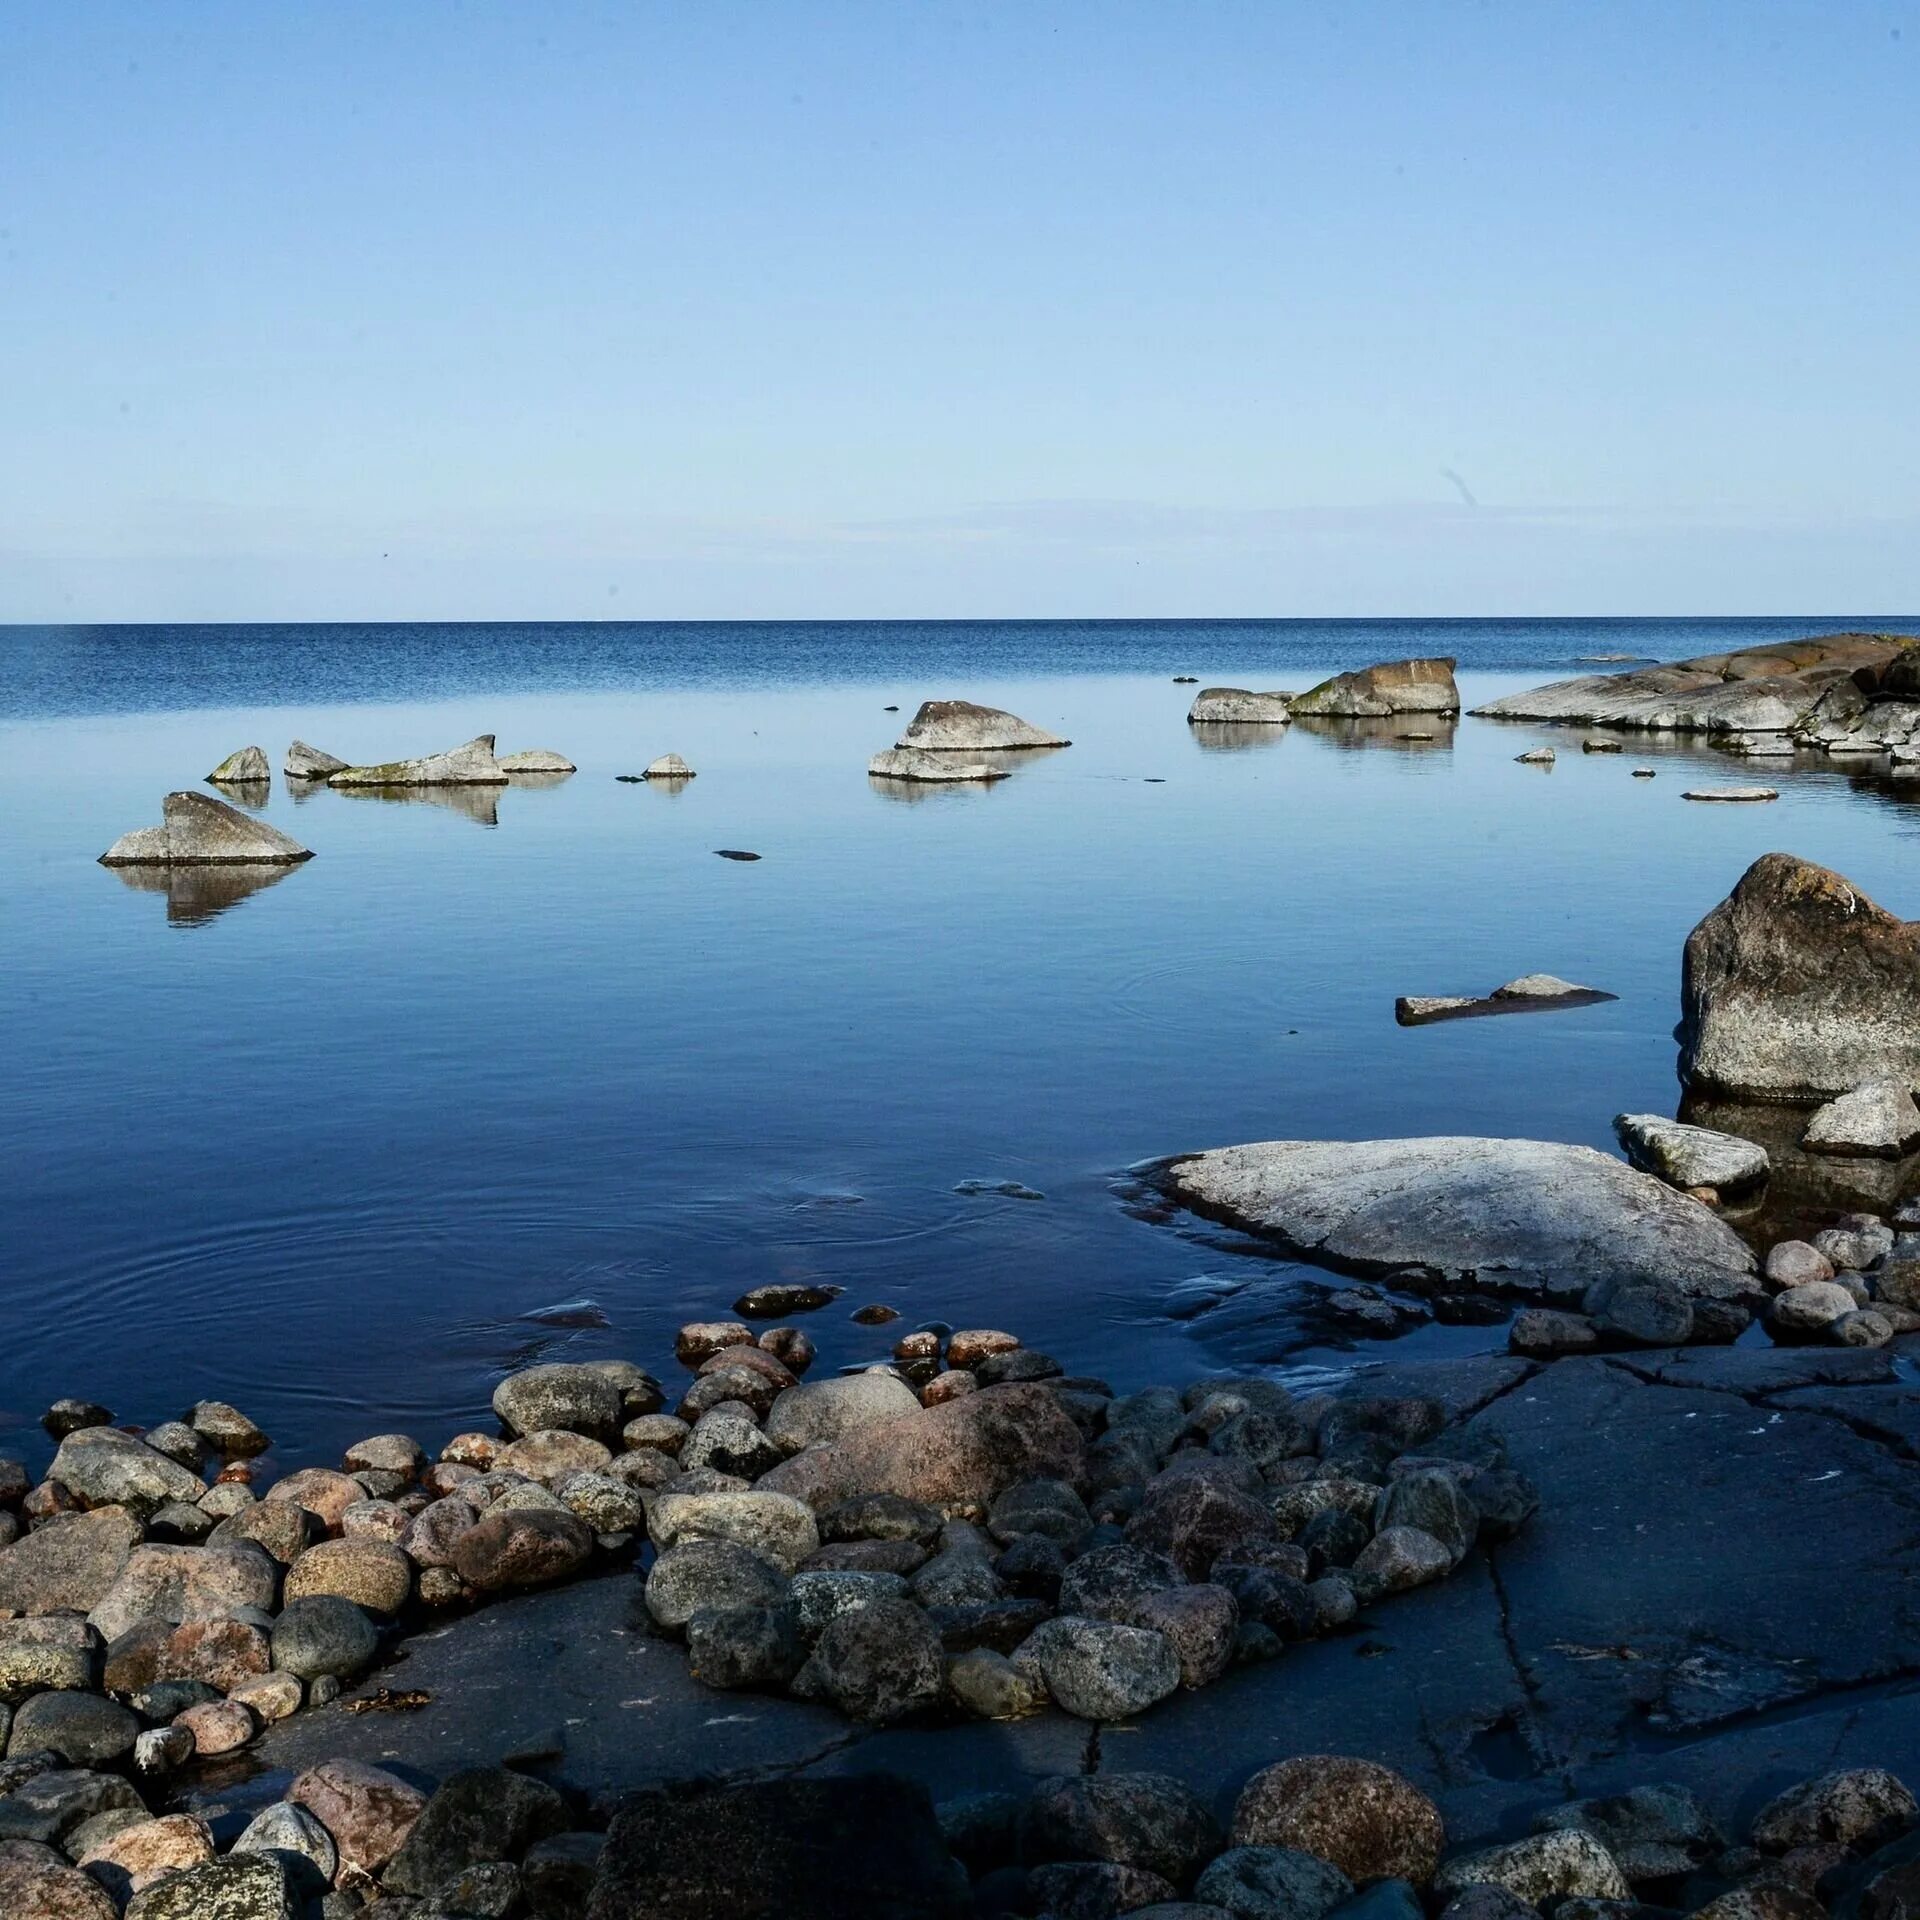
[1526,1217]
[915,763]
[1604,1647]
[472,765]
[1415,1010]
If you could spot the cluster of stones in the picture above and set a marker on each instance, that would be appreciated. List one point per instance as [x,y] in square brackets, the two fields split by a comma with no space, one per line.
[79,1844]
[1854,1284]
[972,1531]
[1325,1837]
[147,1617]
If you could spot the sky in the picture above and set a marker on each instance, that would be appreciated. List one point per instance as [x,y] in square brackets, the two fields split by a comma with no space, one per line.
[388,309]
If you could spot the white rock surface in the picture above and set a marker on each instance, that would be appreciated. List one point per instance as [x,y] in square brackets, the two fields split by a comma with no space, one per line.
[668,767]
[958,726]
[1526,1216]
[1538,757]
[472,765]
[912,763]
[536,760]
[1736,795]
[1236,706]
[202,831]
[1538,986]
[1686,1156]
[1878,1117]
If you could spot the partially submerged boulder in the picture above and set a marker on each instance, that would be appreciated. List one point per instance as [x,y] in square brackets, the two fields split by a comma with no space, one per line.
[248,767]
[1236,706]
[1686,1156]
[310,763]
[1798,988]
[958,726]
[472,765]
[199,830]
[1531,993]
[912,763]
[1527,1217]
[1878,1118]
[1374,693]
[536,760]
[668,767]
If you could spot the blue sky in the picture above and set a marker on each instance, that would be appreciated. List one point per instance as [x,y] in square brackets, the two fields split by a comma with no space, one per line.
[797,308]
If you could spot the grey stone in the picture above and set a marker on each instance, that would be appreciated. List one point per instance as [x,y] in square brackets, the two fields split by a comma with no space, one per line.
[1273,1883]
[938,769]
[1153,1821]
[1562,1864]
[310,763]
[84,1729]
[1878,1118]
[186,1583]
[1685,1156]
[296,1839]
[245,766]
[1099,1670]
[1397,686]
[324,1635]
[1653,1832]
[819,1598]
[1235,706]
[824,1410]
[1641,1312]
[1527,1216]
[464,766]
[479,1814]
[574,1399]
[728,1437]
[1860,1807]
[709,1573]
[958,726]
[107,1468]
[879,1663]
[1096,1890]
[198,830]
[774,1525]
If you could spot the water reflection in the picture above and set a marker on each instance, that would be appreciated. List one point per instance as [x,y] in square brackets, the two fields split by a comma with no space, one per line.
[251,794]
[1233,736]
[913,792]
[1403,733]
[197,894]
[481,805]
[524,782]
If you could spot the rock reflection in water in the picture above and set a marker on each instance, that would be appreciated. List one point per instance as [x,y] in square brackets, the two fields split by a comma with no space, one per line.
[1401,733]
[520,781]
[1233,736]
[197,894]
[479,804]
[251,794]
[1009,760]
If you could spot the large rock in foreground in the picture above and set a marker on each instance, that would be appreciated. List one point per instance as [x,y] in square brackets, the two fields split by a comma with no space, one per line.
[958,726]
[1798,988]
[962,1452]
[1374,693]
[1773,689]
[470,766]
[1527,1217]
[199,830]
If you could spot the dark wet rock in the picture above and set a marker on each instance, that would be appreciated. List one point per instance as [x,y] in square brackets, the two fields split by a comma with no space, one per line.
[1094,1890]
[70,1416]
[1099,1670]
[576,1399]
[1398,686]
[1201,1624]
[1386,1900]
[1798,988]
[1545,1333]
[1860,1807]
[902,1558]
[1504,1500]
[881,1516]
[1640,1312]
[967,1450]
[521,1547]
[1273,1883]
[1153,1821]
[1487,1902]
[1007,1369]
[735,1647]
[1370,1822]
[958,726]
[84,1729]
[484,1813]
[48,1803]
[1001,1626]
[777,1301]
[557,1876]
[1195,1518]
[1049,1509]
[1107,1582]
[879,1663]
[199,830]
[807,1850]
[1529,1217]
[820,1597]
[1435,1503]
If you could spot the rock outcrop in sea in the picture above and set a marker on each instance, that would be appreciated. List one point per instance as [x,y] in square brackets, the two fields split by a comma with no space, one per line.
[1797,988]
[668,767]
[199,830]
[914,763]
[1531,993]
[1837,693]
[1236,706]
[1374,693]
[245,767]
[536,760]
[310,763]
[958,726]
[472,765]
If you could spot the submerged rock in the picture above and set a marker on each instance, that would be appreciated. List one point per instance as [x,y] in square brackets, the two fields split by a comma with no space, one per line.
[248,767]
[1798,988]
[1686,1156]
[1531,993]
[310,763]
[1733,795]
[536,760]
[1396,686]
[200,830]
[1877,1118]
[472,765]
[912,763]
[1521,1216]
[958,726]
[1235,706]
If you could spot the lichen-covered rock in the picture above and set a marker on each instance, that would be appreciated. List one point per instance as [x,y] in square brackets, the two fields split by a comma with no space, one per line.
[1370,1822]
[1237,707]
[735,1647]
[104,1467]
[479,1814]
[38,1884]
[825,1410]
[1878,1119]
[1685,1156]
[321,1492]
[577,1399]
[1567,1863]
[521,1547]
[471,765]
[310,763]
[709,1573]
[1860,1807]
[1371,693]
[1653,1832]
[40,1654]
[1099,1670]
[324,1636]
[932,769]
[374,1574]
[245,766]
[776,1526]
[879,1663]
[185,1583]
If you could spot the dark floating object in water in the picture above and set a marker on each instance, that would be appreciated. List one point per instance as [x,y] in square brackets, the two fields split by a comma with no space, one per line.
[1643,773]
[875,1316]
[1186,679]
[1153,780]
[735,853]
[889,709]
[631,779]
[1533,993]
[570,1313]
[1603,746]
[775,1302]
[1012,1189]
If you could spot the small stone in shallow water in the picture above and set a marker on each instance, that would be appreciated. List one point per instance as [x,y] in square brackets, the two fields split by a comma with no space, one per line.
[874,1315]
[777,1301]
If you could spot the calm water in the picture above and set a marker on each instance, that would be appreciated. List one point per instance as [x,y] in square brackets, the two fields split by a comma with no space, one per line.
[333,1150]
